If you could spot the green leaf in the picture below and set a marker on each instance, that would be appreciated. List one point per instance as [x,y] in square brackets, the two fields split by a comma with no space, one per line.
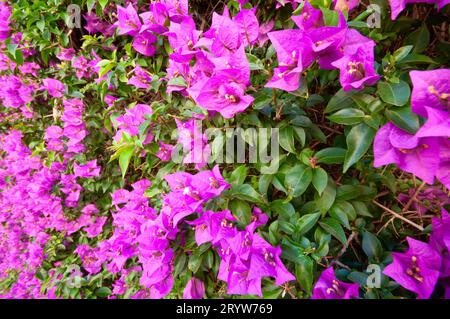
[358,140]
[261,101]
[331,155]
[105,69]
[306,222]
[264,183]
[90,5]
[103,292]
[217,147]
[339,214]
[361,209]
[419,38]
[320,179]
[247,192]
[300,135]
[103,3]
[124,159]
[416,59]
[403,118]
[325,201]
[41,25]
[332,226]
[340,100]
[287,139]
[372,246]
[254,62]
[241,210]
[18,57]
[346,208]
[239,174]
[394,93]
[358,277]
[282,209]
[304,272]
[401,53]
[298,179]
[347,116]
[347,192]
[195,260]
[330,17]
[177,81]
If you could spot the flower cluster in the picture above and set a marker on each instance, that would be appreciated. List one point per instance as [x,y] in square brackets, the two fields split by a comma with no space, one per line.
[334,47]
[211,67]
[397,6]
[30,207]
[137,73]
[246,256]
[420,268]
[426,153]
[329,287]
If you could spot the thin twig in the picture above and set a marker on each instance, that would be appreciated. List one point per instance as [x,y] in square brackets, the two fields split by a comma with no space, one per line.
[398,215]
[411,200]
[337,262]
[349,240]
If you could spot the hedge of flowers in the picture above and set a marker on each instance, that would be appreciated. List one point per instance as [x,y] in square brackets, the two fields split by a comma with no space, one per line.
[98,96]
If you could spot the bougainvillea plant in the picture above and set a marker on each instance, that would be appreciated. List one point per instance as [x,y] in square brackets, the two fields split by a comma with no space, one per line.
[224,149]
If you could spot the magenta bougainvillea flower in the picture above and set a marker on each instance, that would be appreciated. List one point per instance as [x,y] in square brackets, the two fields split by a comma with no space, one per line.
[144,43]
[74,128]
[95,228]
[309,18]
[129,122]
[245,256]
[66,54]
[128,20]
[397,6]
[329,287]
[225,93]
[195,289]
[227,36]
[265,261]
[176,9]
[264,29]
[153,20]
[327,42]
[440,241]
[356,70]
[141,78]
[182,38]
[249,26]
[437,124]
[195,144]
[5,13]
[53,136]
[165,151]
[294,55]
[94,24]
[54,87]
[430,89]
[88,170]
[431,198]
[417,269]
[419,156]
[214,226]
